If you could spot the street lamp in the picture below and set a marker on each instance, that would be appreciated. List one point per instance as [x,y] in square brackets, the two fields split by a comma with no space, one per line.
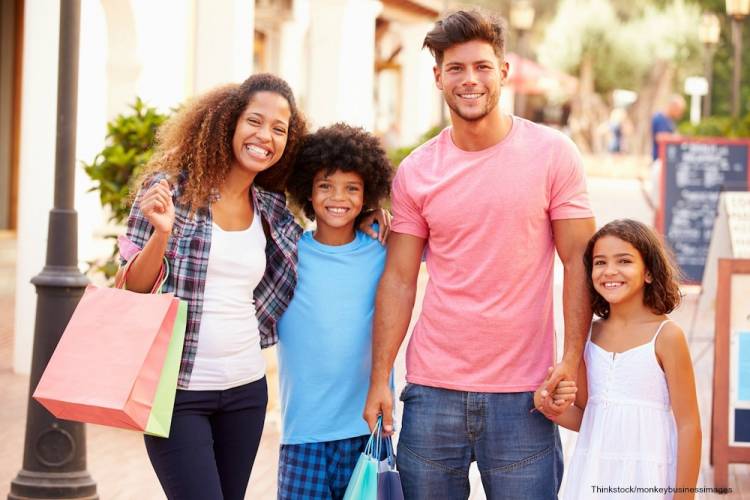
[54,455]
[737,10]
[521,19]
[708,33]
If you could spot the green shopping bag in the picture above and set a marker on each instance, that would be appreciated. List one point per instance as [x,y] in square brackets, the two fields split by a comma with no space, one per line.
[160,419]
[363,484]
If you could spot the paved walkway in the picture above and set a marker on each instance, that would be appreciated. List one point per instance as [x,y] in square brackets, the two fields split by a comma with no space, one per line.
[117,459]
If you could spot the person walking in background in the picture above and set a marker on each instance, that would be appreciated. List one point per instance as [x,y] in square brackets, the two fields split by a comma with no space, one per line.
[636,407]
[491,198]
[325,336]
[663,122]
[619,131]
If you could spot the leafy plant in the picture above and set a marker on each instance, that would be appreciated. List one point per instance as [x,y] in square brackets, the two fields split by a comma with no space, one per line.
[718,126]
[128,148]
[397,155]
[129,143]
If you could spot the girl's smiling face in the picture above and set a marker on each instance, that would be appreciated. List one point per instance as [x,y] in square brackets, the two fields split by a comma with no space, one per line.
[261,132]
[618,271]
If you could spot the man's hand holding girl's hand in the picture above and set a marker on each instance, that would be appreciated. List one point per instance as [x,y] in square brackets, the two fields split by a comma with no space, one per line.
[553,405]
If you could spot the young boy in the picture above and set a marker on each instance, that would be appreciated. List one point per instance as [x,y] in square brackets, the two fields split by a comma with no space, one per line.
[325,334]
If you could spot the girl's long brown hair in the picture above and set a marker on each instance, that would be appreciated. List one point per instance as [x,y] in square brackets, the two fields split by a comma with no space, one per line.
[662,295]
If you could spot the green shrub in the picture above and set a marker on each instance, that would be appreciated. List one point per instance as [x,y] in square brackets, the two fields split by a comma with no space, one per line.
[129,143]
[397,155]
[128,147]
[718,126]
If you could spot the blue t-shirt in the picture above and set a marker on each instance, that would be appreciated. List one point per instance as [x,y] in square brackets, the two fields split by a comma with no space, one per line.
[660,124]
[325,339]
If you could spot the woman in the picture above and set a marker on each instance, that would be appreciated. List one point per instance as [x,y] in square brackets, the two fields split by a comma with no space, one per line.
[211,204]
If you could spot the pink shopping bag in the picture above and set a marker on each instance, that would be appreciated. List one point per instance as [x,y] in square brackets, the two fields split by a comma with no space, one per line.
[106,367]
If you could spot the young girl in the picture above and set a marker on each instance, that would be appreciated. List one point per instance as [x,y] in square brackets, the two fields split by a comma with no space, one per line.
[636,408]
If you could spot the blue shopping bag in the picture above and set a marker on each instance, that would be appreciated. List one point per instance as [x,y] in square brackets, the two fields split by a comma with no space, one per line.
[389,480]
[363,485]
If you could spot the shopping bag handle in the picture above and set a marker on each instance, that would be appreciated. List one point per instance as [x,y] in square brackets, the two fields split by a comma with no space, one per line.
[373,448]
[389,450]
[158,284]
[376,441]
[373,436]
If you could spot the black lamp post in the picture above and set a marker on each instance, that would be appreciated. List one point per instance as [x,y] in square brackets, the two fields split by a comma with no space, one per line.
[54,457]
[521,19]
[737,10]
[708,32]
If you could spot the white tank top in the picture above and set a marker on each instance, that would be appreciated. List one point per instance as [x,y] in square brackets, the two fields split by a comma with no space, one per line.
[228,352]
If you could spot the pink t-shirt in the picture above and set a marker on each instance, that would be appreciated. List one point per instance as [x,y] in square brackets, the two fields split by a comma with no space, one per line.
[486,322]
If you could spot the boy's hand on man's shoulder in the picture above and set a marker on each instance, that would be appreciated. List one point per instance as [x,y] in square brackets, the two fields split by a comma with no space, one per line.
[382,218]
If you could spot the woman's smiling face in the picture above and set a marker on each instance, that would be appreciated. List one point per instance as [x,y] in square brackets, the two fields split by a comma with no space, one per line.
[261,132]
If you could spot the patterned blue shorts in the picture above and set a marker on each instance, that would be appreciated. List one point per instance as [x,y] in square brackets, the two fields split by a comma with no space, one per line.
[319,471]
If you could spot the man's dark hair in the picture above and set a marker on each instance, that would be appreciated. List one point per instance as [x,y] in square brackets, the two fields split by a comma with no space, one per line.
[465,26]
[345,148]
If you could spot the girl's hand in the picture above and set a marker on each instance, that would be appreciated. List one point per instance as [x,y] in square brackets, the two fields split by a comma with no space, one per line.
[563,395]
[158,208]
[383,218]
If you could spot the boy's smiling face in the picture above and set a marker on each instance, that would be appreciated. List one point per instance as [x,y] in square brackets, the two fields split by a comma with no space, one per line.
[337,199]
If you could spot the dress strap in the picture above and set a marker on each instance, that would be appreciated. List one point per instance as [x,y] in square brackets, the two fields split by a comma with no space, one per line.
[658,330]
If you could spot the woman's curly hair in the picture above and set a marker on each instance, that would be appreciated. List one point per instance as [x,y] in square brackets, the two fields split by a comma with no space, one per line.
[662,295]
[345,148]
[197,141]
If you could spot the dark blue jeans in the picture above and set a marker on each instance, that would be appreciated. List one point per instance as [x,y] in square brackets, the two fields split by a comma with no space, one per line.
[212,443]
[519,454]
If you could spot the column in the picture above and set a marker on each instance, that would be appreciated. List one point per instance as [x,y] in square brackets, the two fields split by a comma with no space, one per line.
[342,59]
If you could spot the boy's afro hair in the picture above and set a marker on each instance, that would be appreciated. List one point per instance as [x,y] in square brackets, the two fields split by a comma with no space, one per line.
[340,147]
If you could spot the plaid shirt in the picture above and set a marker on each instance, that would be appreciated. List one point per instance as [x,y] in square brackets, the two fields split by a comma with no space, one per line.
[187,253]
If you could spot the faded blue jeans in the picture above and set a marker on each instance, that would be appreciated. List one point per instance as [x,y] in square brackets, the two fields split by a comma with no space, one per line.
[518,453]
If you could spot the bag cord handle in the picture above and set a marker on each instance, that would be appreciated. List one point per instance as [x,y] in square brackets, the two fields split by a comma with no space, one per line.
[158,284]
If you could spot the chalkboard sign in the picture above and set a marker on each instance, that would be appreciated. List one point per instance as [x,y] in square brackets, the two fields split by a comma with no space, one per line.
[695,171]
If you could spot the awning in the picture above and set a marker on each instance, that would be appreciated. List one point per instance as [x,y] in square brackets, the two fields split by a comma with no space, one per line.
[529,77]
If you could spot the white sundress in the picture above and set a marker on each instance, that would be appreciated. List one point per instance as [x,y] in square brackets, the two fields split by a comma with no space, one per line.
[628,434]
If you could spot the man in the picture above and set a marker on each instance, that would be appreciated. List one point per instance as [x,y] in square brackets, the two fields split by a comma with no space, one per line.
[491,198]
[663,122]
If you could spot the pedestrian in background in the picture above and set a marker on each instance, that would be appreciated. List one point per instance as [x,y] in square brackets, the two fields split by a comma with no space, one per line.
[662,123]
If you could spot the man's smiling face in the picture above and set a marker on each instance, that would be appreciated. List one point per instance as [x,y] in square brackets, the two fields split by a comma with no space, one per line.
[470,78]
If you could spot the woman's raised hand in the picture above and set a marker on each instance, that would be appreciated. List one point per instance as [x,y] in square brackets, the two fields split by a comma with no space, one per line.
[158,208]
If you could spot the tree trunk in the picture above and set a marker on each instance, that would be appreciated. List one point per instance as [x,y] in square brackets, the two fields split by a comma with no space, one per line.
[588,111]
[654,94]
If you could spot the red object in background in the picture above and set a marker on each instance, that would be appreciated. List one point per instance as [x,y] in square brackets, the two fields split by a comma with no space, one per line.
[529,77]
